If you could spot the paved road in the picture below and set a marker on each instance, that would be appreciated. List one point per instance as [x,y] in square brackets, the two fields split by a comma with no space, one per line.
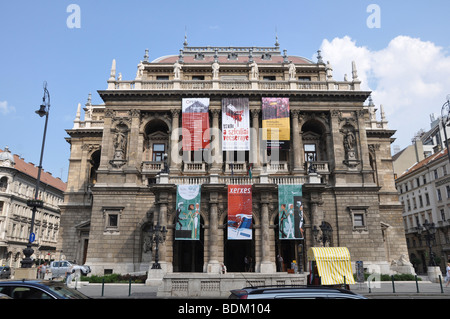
[378,290]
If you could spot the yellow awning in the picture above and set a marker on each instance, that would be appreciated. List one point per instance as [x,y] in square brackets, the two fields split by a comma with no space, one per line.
[333,263]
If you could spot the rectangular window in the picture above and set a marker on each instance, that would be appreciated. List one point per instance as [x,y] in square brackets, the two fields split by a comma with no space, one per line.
[358,220]
[158,152]
[113,220]
[111,216]
[162,77]
[358,216]
[310,153]
[439,196]
[427,199]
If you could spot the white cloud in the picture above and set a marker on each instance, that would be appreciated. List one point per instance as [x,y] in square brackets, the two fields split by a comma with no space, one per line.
[5,108]
[410,78]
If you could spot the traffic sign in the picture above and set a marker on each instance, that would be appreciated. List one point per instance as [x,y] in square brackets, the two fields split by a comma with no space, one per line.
[32,237]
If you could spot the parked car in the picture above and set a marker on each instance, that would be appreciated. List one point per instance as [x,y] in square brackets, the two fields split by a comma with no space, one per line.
[5,272]
[61,267]
[293,292]
[38,289]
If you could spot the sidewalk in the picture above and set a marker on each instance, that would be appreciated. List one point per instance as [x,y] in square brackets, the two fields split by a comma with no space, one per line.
[402,289]
[137,291]
[378,290]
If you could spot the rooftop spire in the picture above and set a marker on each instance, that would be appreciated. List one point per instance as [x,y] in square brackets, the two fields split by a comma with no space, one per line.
[185,43]
[112,76]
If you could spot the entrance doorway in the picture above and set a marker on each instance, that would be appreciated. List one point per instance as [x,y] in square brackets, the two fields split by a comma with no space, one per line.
[289,250]
[188,255]
[236,251]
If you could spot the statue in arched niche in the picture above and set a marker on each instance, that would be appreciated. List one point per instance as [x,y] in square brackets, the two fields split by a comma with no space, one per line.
[120,144]
[350,143]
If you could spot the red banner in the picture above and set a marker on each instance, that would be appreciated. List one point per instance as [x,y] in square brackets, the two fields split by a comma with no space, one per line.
[239,211]
[195,124]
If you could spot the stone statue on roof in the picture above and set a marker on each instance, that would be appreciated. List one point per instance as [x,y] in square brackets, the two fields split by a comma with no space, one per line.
[176,70]
[140,70]
[254,71]
[215,70]
[292,70]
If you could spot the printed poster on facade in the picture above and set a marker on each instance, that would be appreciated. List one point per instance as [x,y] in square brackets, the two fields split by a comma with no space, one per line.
[276,123]
[290,212]
[235,124]
[195,118]
[187,223]
[239,211]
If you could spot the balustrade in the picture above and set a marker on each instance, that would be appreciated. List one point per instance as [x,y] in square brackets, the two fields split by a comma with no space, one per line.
[234,85]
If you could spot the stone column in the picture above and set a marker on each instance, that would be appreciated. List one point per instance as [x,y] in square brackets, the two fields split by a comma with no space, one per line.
[255,147]
[107,140]
[174,147]
[134,138]
[297,142]
[213,262]
[266,265]
[217,157]
[363,145]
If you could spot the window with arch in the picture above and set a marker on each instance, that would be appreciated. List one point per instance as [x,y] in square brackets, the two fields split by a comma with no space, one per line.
[3,184]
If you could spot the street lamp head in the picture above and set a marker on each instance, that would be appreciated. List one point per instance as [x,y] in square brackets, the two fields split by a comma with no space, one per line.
[41,112]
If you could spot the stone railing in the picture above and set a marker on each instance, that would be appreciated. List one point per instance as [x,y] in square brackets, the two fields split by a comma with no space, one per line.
[151,167]
[233,85]
[238,180]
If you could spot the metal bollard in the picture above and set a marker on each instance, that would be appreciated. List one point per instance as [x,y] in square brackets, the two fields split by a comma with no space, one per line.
[129,288]
[440,283]
[417,284]
[393,286]
[103,286]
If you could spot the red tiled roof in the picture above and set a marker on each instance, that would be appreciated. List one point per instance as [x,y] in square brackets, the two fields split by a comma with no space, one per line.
[32,170]
[424,162]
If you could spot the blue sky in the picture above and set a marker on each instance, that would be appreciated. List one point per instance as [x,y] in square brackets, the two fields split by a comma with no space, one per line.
[406,61]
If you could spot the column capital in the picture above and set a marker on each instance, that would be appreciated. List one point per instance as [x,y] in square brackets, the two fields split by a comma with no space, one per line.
[175,112]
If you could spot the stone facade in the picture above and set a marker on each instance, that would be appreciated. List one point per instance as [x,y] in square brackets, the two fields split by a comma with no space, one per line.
[117,188]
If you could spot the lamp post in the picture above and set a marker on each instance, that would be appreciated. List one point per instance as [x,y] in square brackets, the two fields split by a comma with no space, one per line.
[44,110]
[445,117]
[430,230]
[157,236]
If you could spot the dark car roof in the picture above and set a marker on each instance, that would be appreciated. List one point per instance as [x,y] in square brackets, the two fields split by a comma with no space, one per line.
[50,286]
[273,290]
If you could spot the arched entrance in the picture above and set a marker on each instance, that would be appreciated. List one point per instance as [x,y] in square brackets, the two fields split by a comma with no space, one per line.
[188,254]
[289,250]
[236,251]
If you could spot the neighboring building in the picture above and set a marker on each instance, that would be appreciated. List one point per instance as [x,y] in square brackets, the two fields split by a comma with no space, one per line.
[425,194]
[423,145]
[17,185]
[118,186]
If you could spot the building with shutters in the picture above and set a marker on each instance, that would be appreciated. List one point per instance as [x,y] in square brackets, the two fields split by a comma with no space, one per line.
[217,117]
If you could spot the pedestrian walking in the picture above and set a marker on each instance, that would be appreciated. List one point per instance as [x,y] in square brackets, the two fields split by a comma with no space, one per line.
[42,270]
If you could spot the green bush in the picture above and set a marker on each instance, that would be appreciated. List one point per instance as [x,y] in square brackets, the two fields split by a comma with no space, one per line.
[397,277]
[115,278]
